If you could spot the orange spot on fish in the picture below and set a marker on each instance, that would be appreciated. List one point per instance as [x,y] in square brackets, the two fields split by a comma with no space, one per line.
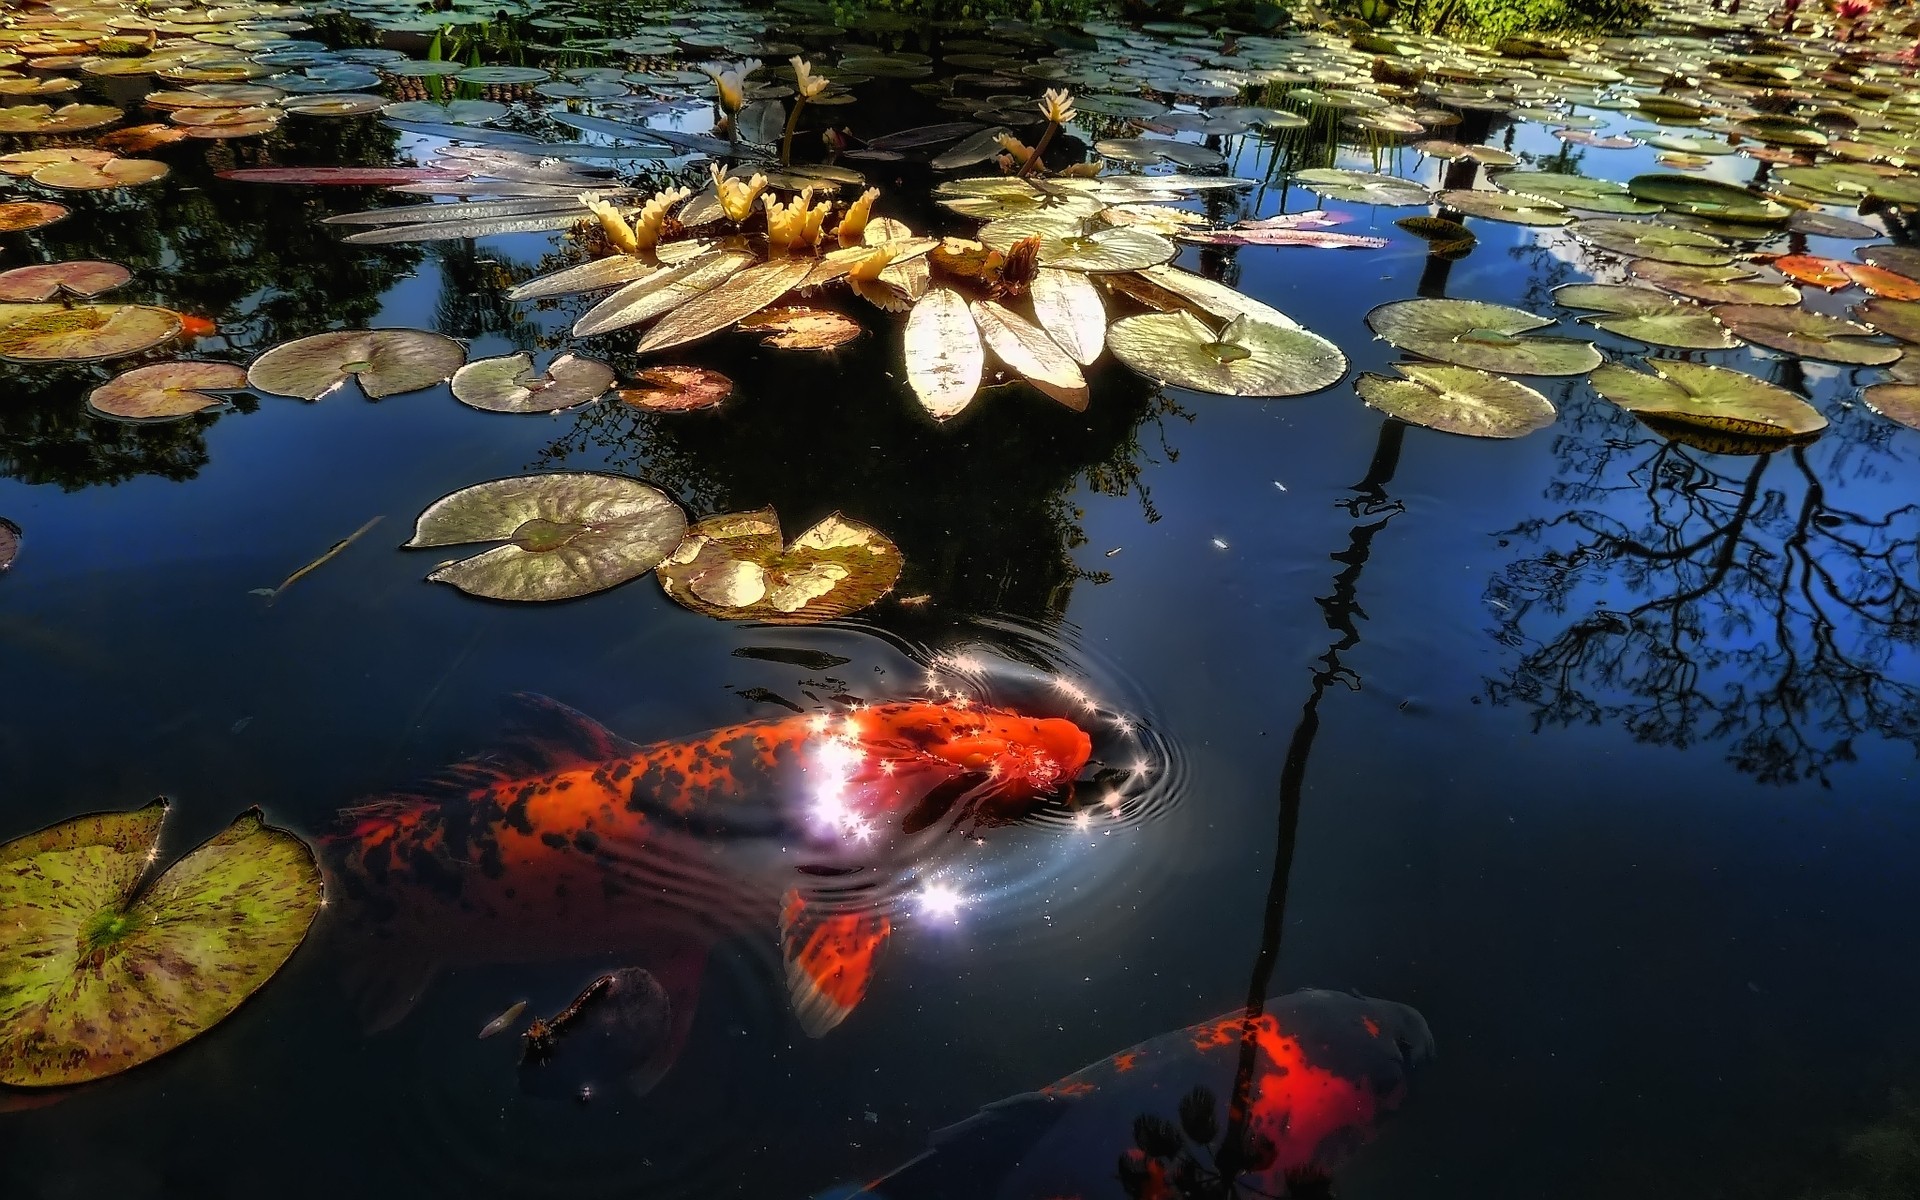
[1373,1026]
[1124,1062]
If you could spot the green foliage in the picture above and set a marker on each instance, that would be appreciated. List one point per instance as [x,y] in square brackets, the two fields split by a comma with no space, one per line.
[1494,20]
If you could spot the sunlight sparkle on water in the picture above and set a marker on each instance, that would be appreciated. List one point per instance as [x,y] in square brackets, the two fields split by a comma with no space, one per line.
[941,900]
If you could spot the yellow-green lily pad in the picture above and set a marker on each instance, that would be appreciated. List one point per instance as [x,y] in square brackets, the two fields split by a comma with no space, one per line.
[736,566]
[84,333]
[1250,357]
[1474,333]
[510,384]
[1712,398]
[1458,400]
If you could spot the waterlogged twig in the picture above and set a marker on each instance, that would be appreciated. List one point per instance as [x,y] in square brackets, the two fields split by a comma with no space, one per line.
[333,552]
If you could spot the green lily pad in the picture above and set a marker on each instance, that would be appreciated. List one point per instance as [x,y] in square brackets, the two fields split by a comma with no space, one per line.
[1250,357]
[1806,334]
[1711,398]
[1362,187]
[102,970]
[386,362]
[1894,401]
[1895,318]
[568,534]
[1082,246]
[1473,333]
[1575,191]
[1647,316]
[1731,283]
[502,75]
[1149,150]
[83,333]
[1703,197]
[736,566]
[510,384]
[1643,239]
[455,112]
[1458,400]
[1003,197]
[1514,208]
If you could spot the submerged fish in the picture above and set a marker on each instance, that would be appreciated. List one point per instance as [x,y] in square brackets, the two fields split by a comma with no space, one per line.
[568,841]
[1327,1067]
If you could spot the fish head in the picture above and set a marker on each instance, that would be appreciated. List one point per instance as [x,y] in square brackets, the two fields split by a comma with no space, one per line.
[1020,760]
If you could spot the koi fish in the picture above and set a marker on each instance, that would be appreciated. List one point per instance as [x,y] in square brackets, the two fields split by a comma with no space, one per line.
[566,841]
[1327,1067]
[193,328]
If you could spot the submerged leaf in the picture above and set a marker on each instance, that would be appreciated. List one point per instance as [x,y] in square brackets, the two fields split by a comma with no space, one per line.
[1458,400]
[1712,398]
[386,362]
[944,353]
[510,384]
[799,327]
[677,389]
[164,390]
[1473,333]
[98,975]
[1250,357]
[569,534]
[736,567]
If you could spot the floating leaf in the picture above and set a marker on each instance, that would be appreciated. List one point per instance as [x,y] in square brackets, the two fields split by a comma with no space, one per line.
[1730,283]
[510,384]
[677,389]
[18,216]
[1071,246]
[165,390]
[1575,191]
[1805,334]
[1260,235]
[592,275]
[723,306]
[977,148]
[569,534]
[1712,398]
[1515,208]
[1706,197]
[660,292]
[1835,273]
[81,169]
[1148,150]
[1068,306]
[1894,401]
[736,567]
[81,278]
[1001,197]
[49,333]
[138,139]
[1647,316]
[41,119]
[1249,357]
[385,362]
[1896,318]
[99,974]
[1473,333]
[1458,400]
[340,176]
[1820,224]
[944,353]
[1029,352]
[1361,187]
[1641,239]
[799,327]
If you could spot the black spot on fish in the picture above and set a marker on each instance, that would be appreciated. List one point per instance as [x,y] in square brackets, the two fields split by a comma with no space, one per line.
[554,840]
[563,785]
[516,815]
[621,770]
[378,860]
[586,841]
[490,864]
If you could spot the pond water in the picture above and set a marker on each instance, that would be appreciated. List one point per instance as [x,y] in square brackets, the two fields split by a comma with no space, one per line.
[1595,746]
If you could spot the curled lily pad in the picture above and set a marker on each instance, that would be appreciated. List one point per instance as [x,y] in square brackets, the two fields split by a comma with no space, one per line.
[80,278]
[17,216]
[676,389]
[1458,400]
[1711,398]
[1361,187]
[386,362]
[568,534]
[84,333]
[1027,350]
[102,971]
[510,384]
[1068,306]
[1730,283]
[1806,334]
[1643,239]
[164,390]
[1250,357]
[1647,316]
[1894,401]
[9,543]
[1704,197]
[739,296]
[1473,333]
[737,567]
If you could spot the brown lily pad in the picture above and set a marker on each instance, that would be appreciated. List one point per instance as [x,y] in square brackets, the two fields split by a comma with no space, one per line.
[49,333]
[737,567]
[677,389]
[9,543]
[18,216]
[82,278]
[166,390]
[386,362]
[799,327]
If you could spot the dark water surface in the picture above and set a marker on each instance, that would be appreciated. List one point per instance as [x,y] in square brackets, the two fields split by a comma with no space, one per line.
[1600,747]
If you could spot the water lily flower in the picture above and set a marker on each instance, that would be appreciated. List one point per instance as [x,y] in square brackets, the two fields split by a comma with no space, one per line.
[869,266]
[1853,10]
[854,224]
[1017,150]
[796,223]
[804,81]
[1057,106]
[620,235]
[732,84]
[737,195]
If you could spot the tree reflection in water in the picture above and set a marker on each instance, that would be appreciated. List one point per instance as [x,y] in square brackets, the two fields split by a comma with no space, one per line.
[1768,614]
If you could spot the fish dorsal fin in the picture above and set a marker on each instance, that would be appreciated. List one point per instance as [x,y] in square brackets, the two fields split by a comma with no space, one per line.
[829,954]
[545,735]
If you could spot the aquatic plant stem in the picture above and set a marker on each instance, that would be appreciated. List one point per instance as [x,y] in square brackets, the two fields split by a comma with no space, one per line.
[1039,148]
[793,123]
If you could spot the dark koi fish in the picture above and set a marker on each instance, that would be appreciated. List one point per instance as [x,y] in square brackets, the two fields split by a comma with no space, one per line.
[1327,1067]
[568,841]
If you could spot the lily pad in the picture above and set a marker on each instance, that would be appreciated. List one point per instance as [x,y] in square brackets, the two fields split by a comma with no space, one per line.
[1000,197]
[676,389]
[1250,357]
[801,327]
[1575,191]
[84,333]
[737,567]
[1706,197]
[1362,187]
[1082,246]
[102,971]
[81,278]
[18,216]
[568,534]
[166,390]
[386,362]
[1473,333]
[1647,316]
[1515,208]
[944,353]
[510,384]
[9,543]
[1711,398]
[1643,239]
[1894,401]
[41,119]
[1895,318]
[1458,400]
[1730,283]
[1148,150]
[1797,331]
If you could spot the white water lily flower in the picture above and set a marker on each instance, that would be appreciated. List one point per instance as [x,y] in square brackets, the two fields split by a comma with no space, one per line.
[1057,106]
[804,81]
[732,84]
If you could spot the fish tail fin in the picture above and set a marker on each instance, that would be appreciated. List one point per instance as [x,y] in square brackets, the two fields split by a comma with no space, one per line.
[829,959]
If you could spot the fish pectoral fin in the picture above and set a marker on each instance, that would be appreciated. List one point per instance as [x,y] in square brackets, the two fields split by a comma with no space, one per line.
[829,956]
[386,986]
